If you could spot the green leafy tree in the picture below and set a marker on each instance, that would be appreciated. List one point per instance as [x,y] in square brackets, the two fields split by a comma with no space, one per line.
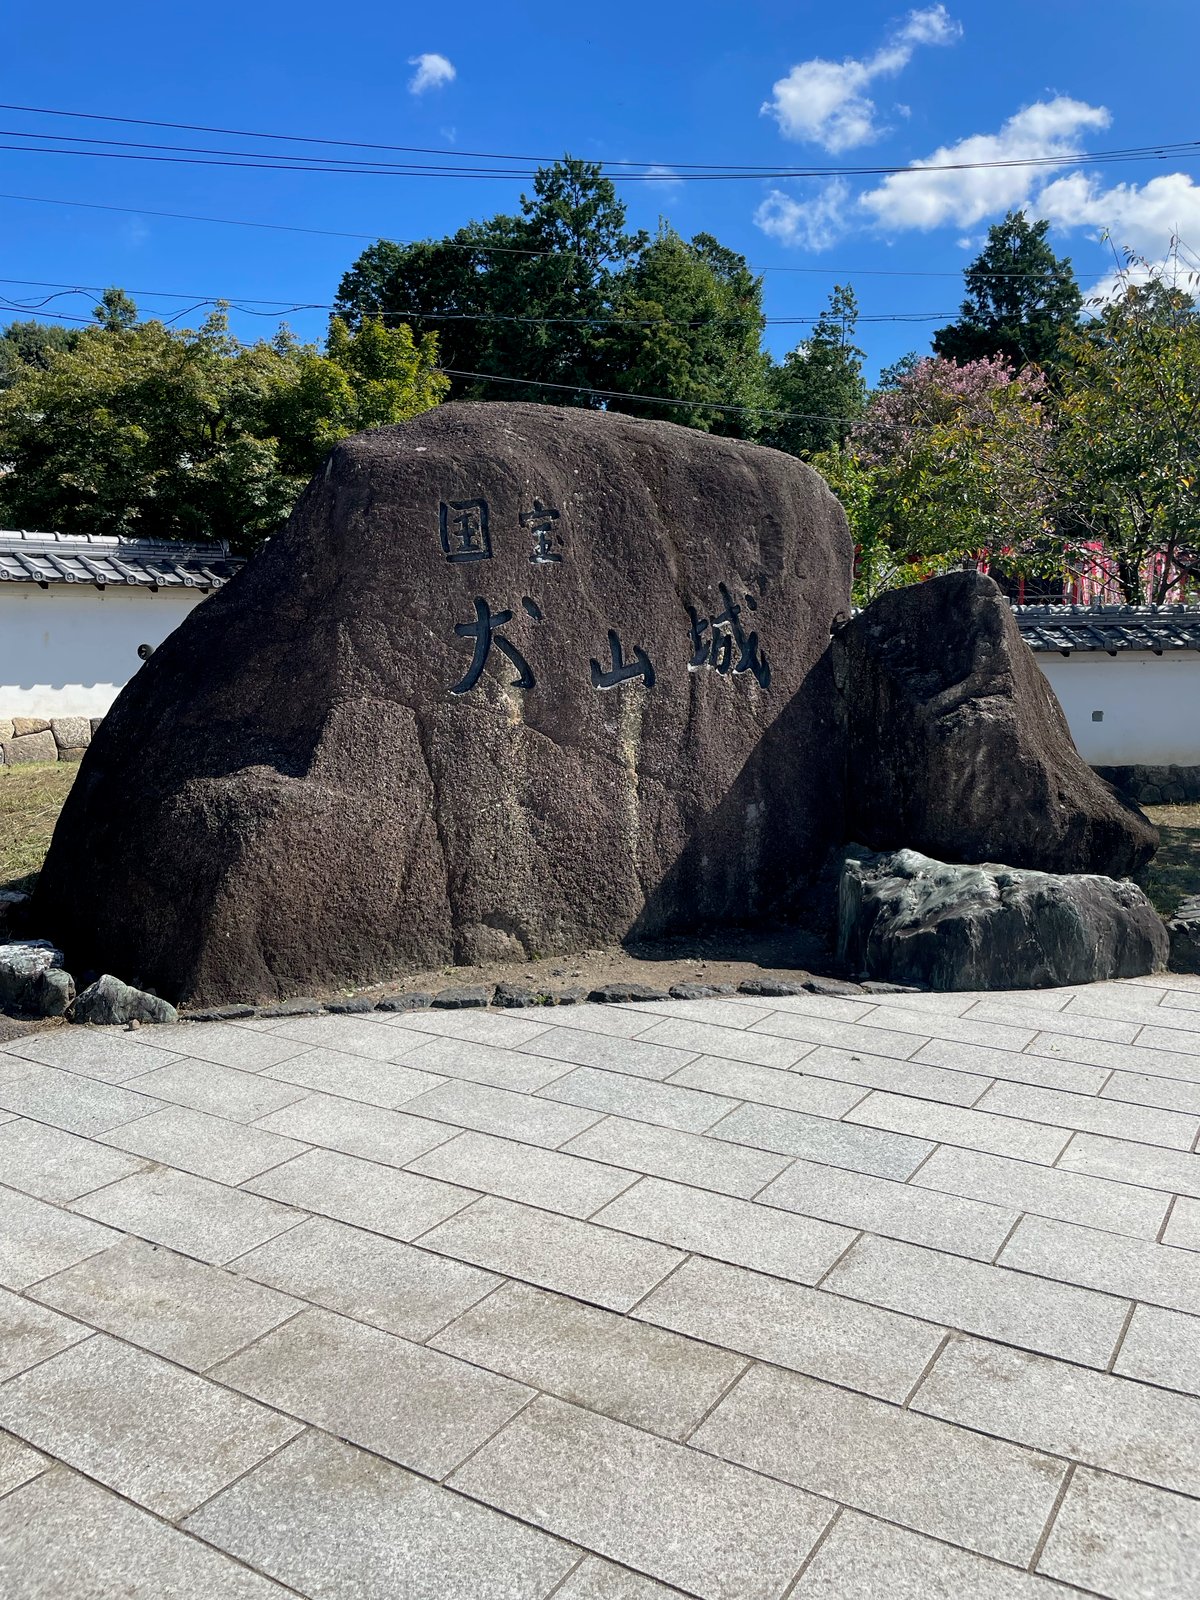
[820,382]
[1127,456]
[116,311]
[1022,300]
[688,325]
[148,431]
[31,344]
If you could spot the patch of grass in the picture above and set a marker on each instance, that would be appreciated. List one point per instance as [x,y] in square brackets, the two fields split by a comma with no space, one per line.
[30,799]
[1175,870]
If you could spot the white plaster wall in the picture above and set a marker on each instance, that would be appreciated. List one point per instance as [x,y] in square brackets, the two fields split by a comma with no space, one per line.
[1149,705]
[68,651]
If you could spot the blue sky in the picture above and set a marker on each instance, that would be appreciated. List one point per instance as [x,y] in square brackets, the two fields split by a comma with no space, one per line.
[756,84]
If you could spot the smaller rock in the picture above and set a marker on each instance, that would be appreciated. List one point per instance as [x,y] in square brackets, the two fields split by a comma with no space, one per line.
[12,903]
[23,726]
[30,747]
[462,999]
[219,1014]
[611,994]
[417,1001]
[512,995]
[1184,932]
[108,1001]
[300,1006]
[692,991]
[350,1006]
[837,988]
[71,733]
[574,996]
[74,752]
[32,979]
[877,986]
[769,988]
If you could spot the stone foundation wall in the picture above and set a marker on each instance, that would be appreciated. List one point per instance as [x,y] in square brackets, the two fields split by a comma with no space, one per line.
[28,739]
[1155,786]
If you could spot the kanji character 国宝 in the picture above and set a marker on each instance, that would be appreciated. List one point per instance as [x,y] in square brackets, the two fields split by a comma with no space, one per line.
[464,529]
[728,636]
[485,632]
[540,522]
[622,671]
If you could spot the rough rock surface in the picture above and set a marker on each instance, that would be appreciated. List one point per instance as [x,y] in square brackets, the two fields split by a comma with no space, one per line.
[12,909]
[1184,932]
[907,919]
[957,747]
[317,780]
[111,1002]
[32,979]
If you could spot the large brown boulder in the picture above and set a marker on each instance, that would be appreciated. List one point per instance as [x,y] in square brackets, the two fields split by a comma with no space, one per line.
[957,747]
[513,679]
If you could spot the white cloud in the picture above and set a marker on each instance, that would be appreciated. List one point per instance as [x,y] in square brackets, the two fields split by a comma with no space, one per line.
[432,72]
[1141,217]
[965,194]
[663,178]
[825,102]
[813,224]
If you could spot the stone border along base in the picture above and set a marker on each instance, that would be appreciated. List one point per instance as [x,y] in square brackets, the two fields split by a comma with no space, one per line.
[28,739]
[1154,786]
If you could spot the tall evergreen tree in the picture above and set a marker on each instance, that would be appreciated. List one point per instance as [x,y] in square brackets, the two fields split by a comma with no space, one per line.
[820,382]
[1022,300]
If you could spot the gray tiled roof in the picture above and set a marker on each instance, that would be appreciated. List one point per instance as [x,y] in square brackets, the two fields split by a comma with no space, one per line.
[46,558]
[1109,628]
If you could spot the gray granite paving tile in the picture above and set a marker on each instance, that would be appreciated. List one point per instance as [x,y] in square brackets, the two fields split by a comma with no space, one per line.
[382,1281]
[898,1210]
[838,1144]
[203,1219]
[1162,1347]
[644,1101]
[631,1056]
[770,1086]
[868,1560]
[525,1172]
[54,1165]
[352,1036]
[621,1022]
[357,1129]
[637,1374]
[956,1125]
[66,1100]
[62,1536]
[595,1579]
[12,1068]
[208,1147]
[936,1001]
[1046,1191]
[1106,1422]
[1125,1540]
[1183,1225]
[339,1524]
[227,1046]
[481,1063]
[878,1041]
[471,1026]
[575,1258]
[166,1438]
[1181,1000]
[1055,1318]
[833,1007]
[222,1091]
[1173,1170]
[37,1239]
[167,1303]
[1089,1114]
[1179,1039]
[733,1011]
[1077,1023]
[1158,1062]
[109,1054]
[1137,1269]
[364,1193]
[18,1464]
[749,1235]
[29,1333]
[807,1330]
[378,1083]
[729,1044]
[685,1157]
[980,1493]
[1173,1094]
[1123,1001]
[666,1510]
[885,1072]
[510,1116]
[412,1404]
[1077,1077]
[956,1030]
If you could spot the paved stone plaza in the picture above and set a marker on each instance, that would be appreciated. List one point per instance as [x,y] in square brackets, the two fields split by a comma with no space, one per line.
[733,1298]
